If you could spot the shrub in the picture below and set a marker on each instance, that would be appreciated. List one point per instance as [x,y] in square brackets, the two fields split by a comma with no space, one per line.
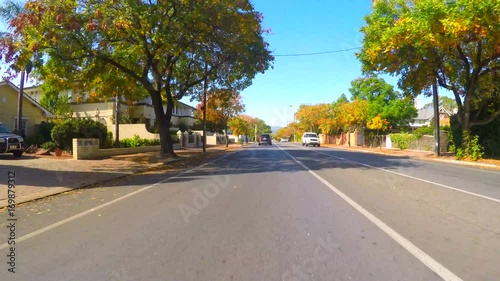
[64,133]
[459,154]
[50,145]
[45,130]
[35,139]
[136,141]
[108,142]
[175,138]
[426,130]
[403,140]
[474,151]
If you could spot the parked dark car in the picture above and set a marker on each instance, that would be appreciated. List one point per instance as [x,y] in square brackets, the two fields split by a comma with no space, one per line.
[265,139]
[9,142]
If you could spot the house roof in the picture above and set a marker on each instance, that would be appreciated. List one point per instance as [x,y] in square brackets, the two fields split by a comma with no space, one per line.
[30,99]
[428,113]
[425,114]
[186,105]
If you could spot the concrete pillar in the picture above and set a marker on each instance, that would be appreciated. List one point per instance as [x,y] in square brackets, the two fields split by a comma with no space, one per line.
[179,135]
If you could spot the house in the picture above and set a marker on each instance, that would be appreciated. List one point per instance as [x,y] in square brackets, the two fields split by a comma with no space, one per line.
[426,117]
[141,112]
[33,112]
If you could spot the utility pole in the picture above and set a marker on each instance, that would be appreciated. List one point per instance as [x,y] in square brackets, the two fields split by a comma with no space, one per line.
[205,110]
[117,120]
[24,75]
[20,106]
[436,118]
[255,133]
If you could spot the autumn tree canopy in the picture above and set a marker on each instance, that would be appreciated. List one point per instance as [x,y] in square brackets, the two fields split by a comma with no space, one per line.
[222,105]
[166,47]
[456,43]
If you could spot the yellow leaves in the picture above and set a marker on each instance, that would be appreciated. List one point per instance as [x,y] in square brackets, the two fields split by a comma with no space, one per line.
[121,24]
[377,123]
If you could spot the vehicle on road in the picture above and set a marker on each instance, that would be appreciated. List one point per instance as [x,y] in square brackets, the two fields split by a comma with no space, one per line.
[265,139]
[284,140]
[9,142]
[310,138]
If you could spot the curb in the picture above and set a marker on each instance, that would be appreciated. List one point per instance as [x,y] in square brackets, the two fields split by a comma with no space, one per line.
[464,163]
[59,190]
[424,158]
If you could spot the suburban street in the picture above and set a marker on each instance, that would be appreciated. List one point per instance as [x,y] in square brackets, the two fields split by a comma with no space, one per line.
[280,212]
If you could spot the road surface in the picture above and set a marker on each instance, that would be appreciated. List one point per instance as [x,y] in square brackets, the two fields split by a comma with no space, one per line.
[280,212]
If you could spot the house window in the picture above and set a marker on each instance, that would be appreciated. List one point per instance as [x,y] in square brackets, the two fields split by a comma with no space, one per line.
[24,124]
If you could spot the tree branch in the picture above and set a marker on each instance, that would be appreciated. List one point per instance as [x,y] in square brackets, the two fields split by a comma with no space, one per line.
[465,60]
[126,70]
[489,70]
[487,120]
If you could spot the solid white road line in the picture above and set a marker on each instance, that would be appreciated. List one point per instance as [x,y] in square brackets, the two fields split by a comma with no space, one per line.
[427,260]
[72,218]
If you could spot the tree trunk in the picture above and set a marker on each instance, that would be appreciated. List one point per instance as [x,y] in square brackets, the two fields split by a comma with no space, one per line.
[163,119]
[349,137]
[465,122]
[227,137]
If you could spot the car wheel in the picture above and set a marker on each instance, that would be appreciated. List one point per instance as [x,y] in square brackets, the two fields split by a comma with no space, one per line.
[303,144]
[17,153]
[259,143]
[319,145]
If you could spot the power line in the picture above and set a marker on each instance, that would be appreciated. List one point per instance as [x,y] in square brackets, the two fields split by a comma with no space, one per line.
[318,53]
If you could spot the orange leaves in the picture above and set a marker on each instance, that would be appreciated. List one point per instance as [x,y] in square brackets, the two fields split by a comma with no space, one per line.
[91,26]
[222,105]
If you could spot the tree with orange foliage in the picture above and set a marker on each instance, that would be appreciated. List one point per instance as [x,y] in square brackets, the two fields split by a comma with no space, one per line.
[222,105]
[351,115]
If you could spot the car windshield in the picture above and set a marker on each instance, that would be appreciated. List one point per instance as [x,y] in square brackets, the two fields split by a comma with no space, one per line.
[4,129]
[311,136]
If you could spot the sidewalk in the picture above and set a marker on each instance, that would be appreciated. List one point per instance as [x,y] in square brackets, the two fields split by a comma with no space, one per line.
[42,176]
[421,155]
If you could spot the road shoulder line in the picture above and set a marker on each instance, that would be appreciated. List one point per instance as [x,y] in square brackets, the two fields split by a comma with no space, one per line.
[74,217]
[427,260]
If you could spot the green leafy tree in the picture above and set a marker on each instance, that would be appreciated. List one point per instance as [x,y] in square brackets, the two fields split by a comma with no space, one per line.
[452,42]
[262,127]
[239,125]
[342,99]
[447,103]
[383,100]
[168,48]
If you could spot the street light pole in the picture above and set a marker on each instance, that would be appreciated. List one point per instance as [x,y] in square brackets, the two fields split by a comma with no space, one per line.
[205,110]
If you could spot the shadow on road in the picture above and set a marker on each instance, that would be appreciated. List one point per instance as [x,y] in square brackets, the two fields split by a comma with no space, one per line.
[250,160]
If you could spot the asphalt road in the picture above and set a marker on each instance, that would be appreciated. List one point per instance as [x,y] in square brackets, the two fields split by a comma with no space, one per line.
[280,212]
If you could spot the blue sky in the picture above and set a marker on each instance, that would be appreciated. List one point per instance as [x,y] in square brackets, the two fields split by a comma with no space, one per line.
[300,26]
[306,26]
